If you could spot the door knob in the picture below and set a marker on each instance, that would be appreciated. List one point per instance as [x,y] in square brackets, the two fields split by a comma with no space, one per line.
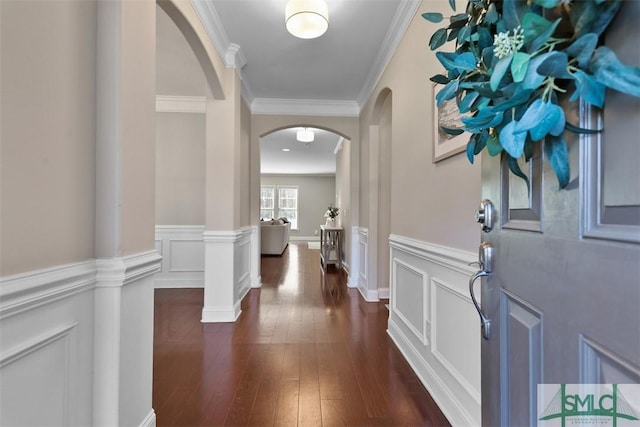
[485,215]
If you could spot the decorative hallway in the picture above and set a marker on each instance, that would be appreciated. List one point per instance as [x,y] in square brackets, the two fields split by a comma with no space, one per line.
[306,351]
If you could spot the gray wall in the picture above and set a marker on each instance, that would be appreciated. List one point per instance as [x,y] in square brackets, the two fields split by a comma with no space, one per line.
[314,195]
[180,169]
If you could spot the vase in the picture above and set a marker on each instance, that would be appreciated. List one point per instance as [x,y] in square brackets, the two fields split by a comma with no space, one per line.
[331,222]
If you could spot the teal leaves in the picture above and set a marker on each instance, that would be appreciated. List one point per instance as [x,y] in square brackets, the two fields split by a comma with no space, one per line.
[514,61]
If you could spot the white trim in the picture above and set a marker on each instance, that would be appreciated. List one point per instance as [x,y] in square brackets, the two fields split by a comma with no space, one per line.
[26,291]
[338,145]
[401,21]
[36,344]
[181,104]
[118,272]
[422,335]
[220,315]
[305,107]
[471,389]
[369,295]
[457,414]
[149,420]
[451,258]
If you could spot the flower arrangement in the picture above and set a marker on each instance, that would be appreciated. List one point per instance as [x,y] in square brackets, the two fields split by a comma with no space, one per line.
[332,212]
[512,61]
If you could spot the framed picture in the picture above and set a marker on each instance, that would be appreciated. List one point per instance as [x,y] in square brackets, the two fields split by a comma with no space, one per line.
[447,115]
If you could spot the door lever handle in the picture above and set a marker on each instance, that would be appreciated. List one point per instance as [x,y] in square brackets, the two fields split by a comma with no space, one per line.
[485,322]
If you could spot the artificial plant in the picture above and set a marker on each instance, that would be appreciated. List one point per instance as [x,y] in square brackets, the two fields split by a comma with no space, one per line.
[512,60]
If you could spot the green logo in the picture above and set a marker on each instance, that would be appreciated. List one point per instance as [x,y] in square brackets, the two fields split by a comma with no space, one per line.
[594,404]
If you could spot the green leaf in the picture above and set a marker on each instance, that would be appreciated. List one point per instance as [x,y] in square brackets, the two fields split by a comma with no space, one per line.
[438,38]
[499,71]
[512,12]
[582,49]
[481,142]
[539,41]
[440,79]
[519,66]
[447,92]
[515,168]
[511,141]
[447,60]
[452,131]
[533,79]
[465,104]
[555,65]
[555,149]
[452,3]
[471,147]
[491,16]
[433,17]
[576,129]
[466,62]
[547,4]
[464,34]
[589,89]
[609,71]
[534,25]
[460,17]
[590,17]
[540,119]
[493,146]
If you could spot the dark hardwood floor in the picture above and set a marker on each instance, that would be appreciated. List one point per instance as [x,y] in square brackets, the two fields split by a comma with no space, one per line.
[306,351]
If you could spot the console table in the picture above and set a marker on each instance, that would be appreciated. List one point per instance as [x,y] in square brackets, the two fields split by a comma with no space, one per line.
[330,246]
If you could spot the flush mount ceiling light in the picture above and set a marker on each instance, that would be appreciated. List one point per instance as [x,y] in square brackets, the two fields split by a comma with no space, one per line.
[305,135]
[307,19]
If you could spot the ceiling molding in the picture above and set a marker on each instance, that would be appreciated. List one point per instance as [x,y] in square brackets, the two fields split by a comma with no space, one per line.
[305,107]
[401,21]
[180,104]
[231,53]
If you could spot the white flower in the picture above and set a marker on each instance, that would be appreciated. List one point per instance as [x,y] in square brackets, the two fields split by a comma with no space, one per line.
[506,44]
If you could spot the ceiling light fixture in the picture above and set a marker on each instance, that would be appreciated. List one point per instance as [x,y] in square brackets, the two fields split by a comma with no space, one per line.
[307,19]
[305,135]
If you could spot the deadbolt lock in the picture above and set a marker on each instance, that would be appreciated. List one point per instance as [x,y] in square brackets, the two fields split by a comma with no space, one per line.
[485,215]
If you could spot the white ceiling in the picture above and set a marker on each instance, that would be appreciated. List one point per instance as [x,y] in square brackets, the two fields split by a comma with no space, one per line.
[332,75]
[314,158]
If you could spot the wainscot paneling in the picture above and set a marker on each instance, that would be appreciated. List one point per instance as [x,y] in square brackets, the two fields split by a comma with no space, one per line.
[76,343]
[363,247]
[434,324]
[182,250]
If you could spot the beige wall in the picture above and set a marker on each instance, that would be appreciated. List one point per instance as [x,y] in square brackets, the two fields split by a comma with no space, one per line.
[245,170]
[178,70]
[430,202]
[180,169]
[315,193]
[47,139]
[138,126]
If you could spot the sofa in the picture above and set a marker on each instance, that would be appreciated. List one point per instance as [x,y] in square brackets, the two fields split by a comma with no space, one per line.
[274,237]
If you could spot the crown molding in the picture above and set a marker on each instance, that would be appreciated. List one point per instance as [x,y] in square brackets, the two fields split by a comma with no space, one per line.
[231,53]
[401,21]
[305,107]
[180,104]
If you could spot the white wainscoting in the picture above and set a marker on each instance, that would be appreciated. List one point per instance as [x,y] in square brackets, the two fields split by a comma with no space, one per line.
[353,270]
[227,273]
[182,250]
[76,343]
[363,252]
[434,324]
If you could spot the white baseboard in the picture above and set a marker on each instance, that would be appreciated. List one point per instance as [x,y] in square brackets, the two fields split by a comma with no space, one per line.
[369,295]
[178,283]
[220,315]
[150,420]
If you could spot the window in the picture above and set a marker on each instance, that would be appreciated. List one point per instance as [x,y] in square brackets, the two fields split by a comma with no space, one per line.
[267,195]
[288,204]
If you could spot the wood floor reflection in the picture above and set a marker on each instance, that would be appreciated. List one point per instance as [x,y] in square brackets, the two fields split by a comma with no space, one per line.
[306,351]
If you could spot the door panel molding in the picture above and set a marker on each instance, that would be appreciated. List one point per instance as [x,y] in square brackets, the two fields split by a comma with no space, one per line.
[518,217]
[600,365]
[521,328]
